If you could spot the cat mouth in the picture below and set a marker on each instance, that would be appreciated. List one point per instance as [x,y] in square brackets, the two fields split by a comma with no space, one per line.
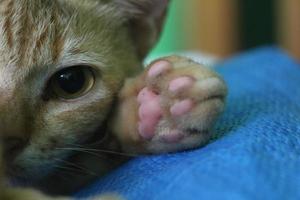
[20,176]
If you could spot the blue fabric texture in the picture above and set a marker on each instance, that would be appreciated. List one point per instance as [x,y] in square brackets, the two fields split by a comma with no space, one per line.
[256,150]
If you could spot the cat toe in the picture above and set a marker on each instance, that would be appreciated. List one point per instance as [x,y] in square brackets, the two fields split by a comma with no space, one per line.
[181,83]
[172,136]
[181,108]
[158,68]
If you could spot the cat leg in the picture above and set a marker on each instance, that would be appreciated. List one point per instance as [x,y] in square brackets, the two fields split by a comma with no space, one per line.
[170,107]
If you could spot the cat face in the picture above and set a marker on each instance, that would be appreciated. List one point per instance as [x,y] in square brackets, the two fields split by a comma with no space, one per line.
[61,66]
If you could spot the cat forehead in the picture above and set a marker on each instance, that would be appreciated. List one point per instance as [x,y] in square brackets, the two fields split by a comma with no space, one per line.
[42,32]
[26,32]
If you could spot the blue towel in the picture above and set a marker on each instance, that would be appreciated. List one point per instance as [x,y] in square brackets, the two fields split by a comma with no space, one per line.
[255,153]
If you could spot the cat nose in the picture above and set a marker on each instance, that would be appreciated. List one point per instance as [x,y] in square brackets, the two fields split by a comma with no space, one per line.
[13,146]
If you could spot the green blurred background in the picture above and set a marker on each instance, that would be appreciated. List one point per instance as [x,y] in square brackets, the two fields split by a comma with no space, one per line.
[173,37]
[251,21]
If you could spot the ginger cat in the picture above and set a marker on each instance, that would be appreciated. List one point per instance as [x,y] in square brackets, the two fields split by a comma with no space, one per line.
[75,101]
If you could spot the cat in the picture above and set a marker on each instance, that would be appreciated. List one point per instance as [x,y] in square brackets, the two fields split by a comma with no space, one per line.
[76,102]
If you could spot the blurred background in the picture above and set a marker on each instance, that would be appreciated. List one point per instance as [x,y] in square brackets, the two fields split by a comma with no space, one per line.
[225,27]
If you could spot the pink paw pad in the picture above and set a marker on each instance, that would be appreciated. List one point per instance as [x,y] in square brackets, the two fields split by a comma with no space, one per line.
[146,95]
[146,130]
[180,83]
[159,67]
[173,136]
[150,113]
[182,107]
[150,110]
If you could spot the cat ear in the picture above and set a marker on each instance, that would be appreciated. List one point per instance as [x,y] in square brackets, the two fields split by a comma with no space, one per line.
[145,19]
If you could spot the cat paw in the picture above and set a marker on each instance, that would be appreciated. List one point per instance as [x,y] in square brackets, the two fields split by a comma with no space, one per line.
[176,103]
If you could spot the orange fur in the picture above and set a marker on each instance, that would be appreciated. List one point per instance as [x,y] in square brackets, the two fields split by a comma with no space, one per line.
[62,144]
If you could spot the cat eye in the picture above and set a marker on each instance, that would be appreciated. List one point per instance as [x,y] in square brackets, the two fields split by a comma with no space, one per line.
[72,82]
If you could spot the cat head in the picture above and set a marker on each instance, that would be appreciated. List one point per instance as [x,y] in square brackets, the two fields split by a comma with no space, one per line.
[62,63]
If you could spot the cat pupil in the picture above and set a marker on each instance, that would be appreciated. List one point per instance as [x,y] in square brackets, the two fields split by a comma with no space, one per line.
[71,80]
